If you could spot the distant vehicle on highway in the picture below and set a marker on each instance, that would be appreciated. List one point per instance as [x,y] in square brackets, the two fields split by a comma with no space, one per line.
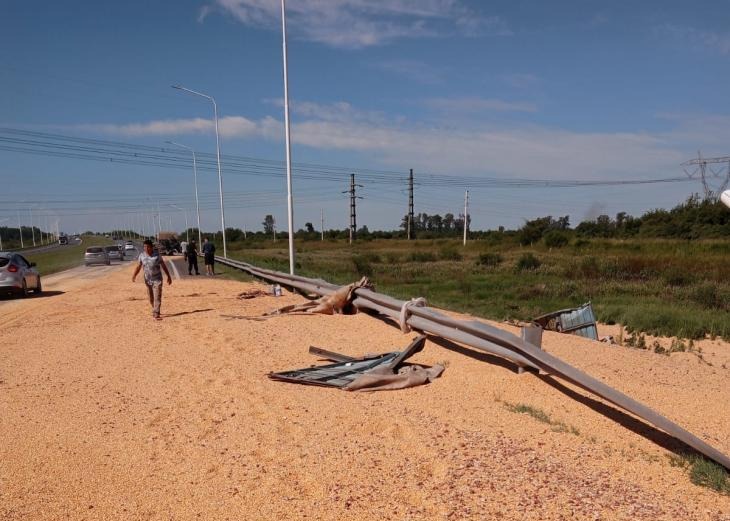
[96,255]
[63,239]
[114,253]
[17,275]
[129,245]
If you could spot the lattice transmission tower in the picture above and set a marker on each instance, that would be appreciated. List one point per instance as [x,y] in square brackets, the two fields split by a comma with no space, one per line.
[714,179]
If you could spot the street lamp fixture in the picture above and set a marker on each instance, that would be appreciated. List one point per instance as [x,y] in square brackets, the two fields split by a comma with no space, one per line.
[218,154]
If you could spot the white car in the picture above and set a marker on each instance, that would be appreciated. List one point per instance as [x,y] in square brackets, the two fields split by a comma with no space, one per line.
[129,247]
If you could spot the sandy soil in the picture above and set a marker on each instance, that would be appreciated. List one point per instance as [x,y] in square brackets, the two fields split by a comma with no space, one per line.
[107,414]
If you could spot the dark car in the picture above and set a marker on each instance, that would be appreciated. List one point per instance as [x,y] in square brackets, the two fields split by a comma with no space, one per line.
[17,275]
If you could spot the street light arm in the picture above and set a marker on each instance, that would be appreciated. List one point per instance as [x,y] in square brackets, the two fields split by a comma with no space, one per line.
[179,145]
[191,91]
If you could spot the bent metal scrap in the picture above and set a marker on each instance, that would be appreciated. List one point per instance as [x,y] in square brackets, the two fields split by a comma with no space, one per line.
[415,315]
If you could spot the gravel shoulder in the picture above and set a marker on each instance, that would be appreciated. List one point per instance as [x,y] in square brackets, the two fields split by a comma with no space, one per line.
[107,414]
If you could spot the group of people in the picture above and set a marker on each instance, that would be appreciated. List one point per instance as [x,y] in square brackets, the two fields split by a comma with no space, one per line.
[151,262]
[191,255]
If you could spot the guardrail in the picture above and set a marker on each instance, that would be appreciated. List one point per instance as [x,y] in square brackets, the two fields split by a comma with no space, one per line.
[484,337]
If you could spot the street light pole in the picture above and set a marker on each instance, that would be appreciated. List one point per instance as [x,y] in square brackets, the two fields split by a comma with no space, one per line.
[20,229]
[195,177]
[290,199]
[32,230]
[218,155]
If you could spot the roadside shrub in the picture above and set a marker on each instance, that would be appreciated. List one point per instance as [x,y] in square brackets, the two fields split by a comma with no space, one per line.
[490,260]
[581,243]
[392,257]
[371,257]
[528,262]
[678,277]
[707,296]
[589,267]
[362,266]
[450,253]
[555,239]
[421,256]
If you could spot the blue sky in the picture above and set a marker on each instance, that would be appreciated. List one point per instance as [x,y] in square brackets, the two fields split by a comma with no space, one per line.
[590,90]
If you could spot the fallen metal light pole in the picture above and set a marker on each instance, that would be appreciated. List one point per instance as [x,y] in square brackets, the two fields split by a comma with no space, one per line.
[489,339]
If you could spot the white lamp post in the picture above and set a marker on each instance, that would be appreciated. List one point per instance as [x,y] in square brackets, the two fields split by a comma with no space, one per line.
[20,229]
[195,177]
[218,153]
[290,199]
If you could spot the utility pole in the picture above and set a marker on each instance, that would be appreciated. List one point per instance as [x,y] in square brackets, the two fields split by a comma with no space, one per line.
[410,204]
[714,181]
[20,229]
[32,231]
[466,214]
[321,219]
[353,209]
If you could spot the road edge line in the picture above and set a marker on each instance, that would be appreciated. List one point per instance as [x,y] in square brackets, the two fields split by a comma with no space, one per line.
[174,269]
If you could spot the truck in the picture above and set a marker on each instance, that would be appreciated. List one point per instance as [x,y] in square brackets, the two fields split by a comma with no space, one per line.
[167,243]
[62,239]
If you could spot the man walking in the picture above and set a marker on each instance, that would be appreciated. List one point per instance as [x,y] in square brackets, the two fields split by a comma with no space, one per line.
[153,268]
[209,254]
[191,254]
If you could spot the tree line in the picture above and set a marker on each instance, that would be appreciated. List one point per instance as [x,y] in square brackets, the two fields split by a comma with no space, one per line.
[695,218]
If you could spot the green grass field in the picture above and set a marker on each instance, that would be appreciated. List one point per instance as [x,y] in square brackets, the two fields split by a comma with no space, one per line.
[65,257]
[661,287]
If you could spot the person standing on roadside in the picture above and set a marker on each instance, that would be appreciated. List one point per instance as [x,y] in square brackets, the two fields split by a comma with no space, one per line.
[209,254]
[153,268]
[191,254]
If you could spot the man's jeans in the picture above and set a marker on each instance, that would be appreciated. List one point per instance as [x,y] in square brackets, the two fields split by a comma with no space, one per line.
[154,290]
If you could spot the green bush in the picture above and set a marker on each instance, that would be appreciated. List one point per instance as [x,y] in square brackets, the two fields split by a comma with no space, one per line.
[528,262]
[490,260]
[362,266]
[678,277]
[392,258]
[450,253]
[555,239]
[422,256]
[707,296]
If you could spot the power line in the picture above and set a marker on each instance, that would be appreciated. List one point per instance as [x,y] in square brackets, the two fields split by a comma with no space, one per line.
[56,145]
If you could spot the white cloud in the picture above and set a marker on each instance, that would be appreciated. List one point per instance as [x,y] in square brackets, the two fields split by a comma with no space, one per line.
[528,151]
[338,111]
[230,126]
[361,23]
[471,105]
[697,37]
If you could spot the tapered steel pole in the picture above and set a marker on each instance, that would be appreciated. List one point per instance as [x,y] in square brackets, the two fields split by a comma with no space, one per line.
[218,155]
[290,200]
